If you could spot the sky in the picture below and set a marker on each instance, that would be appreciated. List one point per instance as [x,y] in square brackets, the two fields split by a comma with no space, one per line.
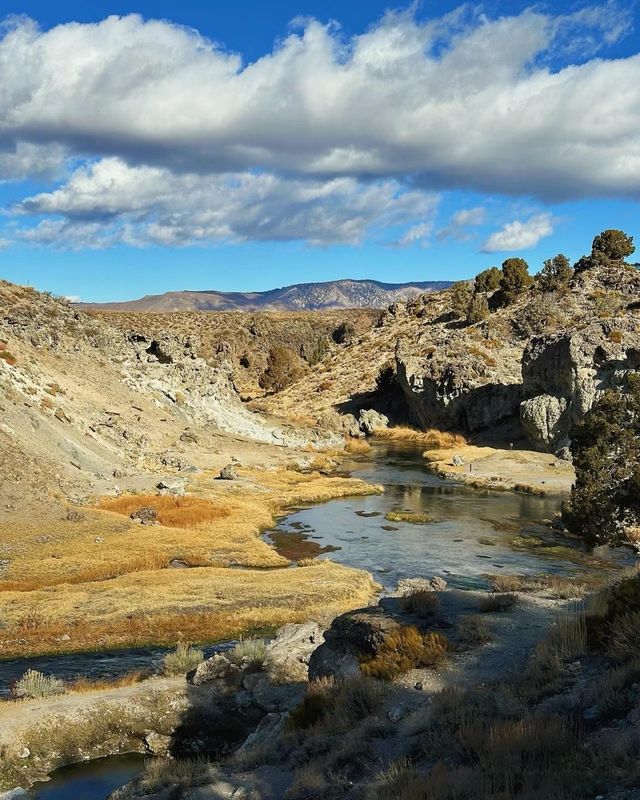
[148,146]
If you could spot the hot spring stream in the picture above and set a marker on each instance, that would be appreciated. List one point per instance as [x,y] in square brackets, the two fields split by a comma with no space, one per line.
[472,534]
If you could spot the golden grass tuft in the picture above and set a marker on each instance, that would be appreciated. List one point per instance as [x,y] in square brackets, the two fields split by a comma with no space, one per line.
[403,649]
[357,446]
[431,439]
[174,512]
[407,516]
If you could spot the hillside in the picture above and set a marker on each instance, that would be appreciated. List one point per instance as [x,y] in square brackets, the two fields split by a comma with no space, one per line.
[327,296]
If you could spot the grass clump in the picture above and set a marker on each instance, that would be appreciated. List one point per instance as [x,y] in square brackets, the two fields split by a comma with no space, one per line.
[495,602]
[249,653]
[338,703]
[357,446]
[403,649]
[161,774]
[473,629]
[174,512]
[421,602]
[407,516]
[34,684]
[431,439]
[182,660]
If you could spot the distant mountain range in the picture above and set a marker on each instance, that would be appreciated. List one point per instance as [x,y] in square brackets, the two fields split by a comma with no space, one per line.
[299,297]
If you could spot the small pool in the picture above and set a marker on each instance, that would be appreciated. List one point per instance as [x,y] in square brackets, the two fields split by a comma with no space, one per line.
[94,780]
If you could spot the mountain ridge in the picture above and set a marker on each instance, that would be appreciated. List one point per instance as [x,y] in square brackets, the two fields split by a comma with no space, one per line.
[312,296]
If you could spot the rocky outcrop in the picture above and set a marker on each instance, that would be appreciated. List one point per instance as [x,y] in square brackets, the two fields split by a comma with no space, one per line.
[465,394]
[564,374]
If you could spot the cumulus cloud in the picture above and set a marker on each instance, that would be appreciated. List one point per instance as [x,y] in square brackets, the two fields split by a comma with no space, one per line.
[110,202]
[461,221]
[520,235]
[463,101]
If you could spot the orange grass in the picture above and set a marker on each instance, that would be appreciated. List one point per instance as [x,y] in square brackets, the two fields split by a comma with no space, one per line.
[174,512]
[431,438]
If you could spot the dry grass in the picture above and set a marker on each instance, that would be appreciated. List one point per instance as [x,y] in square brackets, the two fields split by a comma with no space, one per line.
[106,545]
[557,587]
[430,439]
[497,602]
[174,512]
[88,685]
[163,607]
[357,446]
[473,630]
[421,602]
[182,660]
[403,649]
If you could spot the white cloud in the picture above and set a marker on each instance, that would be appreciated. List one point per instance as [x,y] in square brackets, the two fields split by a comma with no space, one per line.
[461,221]
[520,235]
[458,102]
[109,202]
[73,298]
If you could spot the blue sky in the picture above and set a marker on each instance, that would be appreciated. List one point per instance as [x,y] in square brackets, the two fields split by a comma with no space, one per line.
[218,145]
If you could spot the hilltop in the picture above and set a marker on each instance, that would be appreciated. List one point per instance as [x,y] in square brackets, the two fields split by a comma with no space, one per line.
[327,296]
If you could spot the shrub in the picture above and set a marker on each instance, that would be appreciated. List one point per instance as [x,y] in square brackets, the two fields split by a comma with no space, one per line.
[624,636]
[283,369]
[421,602]
[478,309]
[515,279]
[34,684]
[605,497]
[488,280]
[341,703]
[403,649]
[176,774]
[473,629]
[8,358]
[249,653]
[615,244]
[344,333]
[182,660]
[461,294]
[555,274]
[497,602]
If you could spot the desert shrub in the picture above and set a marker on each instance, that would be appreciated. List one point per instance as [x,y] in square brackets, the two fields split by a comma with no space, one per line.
[515,279]
[542,314]
[169,773]
[34,684]
[624,636]
[283,368]
[497,602]
[182,660]
[339,703]
[460,297]
[317,352]
[422,602]
[344,333]
[609,248]
[615,244]
[473,629]
[615,337]
[403,649]
[605,497]
[249,653]
[478,309]
[488,280]
[555,274]
[606,304]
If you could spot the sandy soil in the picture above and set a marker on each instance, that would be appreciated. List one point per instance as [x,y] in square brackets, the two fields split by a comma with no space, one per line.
[524,470]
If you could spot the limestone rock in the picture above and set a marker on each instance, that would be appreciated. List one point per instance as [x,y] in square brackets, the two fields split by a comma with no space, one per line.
[269,730]
[370,420]
[229,473]
[289,653]
[217,669]
[541,418]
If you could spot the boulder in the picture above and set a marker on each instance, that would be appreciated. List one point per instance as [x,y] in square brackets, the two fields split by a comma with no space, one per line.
[269,730]
[171,486]
[145,515]
[408,585]
[541,419]
[288,654]
[217,669]
[370,420]
[229,473]
[351,636]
